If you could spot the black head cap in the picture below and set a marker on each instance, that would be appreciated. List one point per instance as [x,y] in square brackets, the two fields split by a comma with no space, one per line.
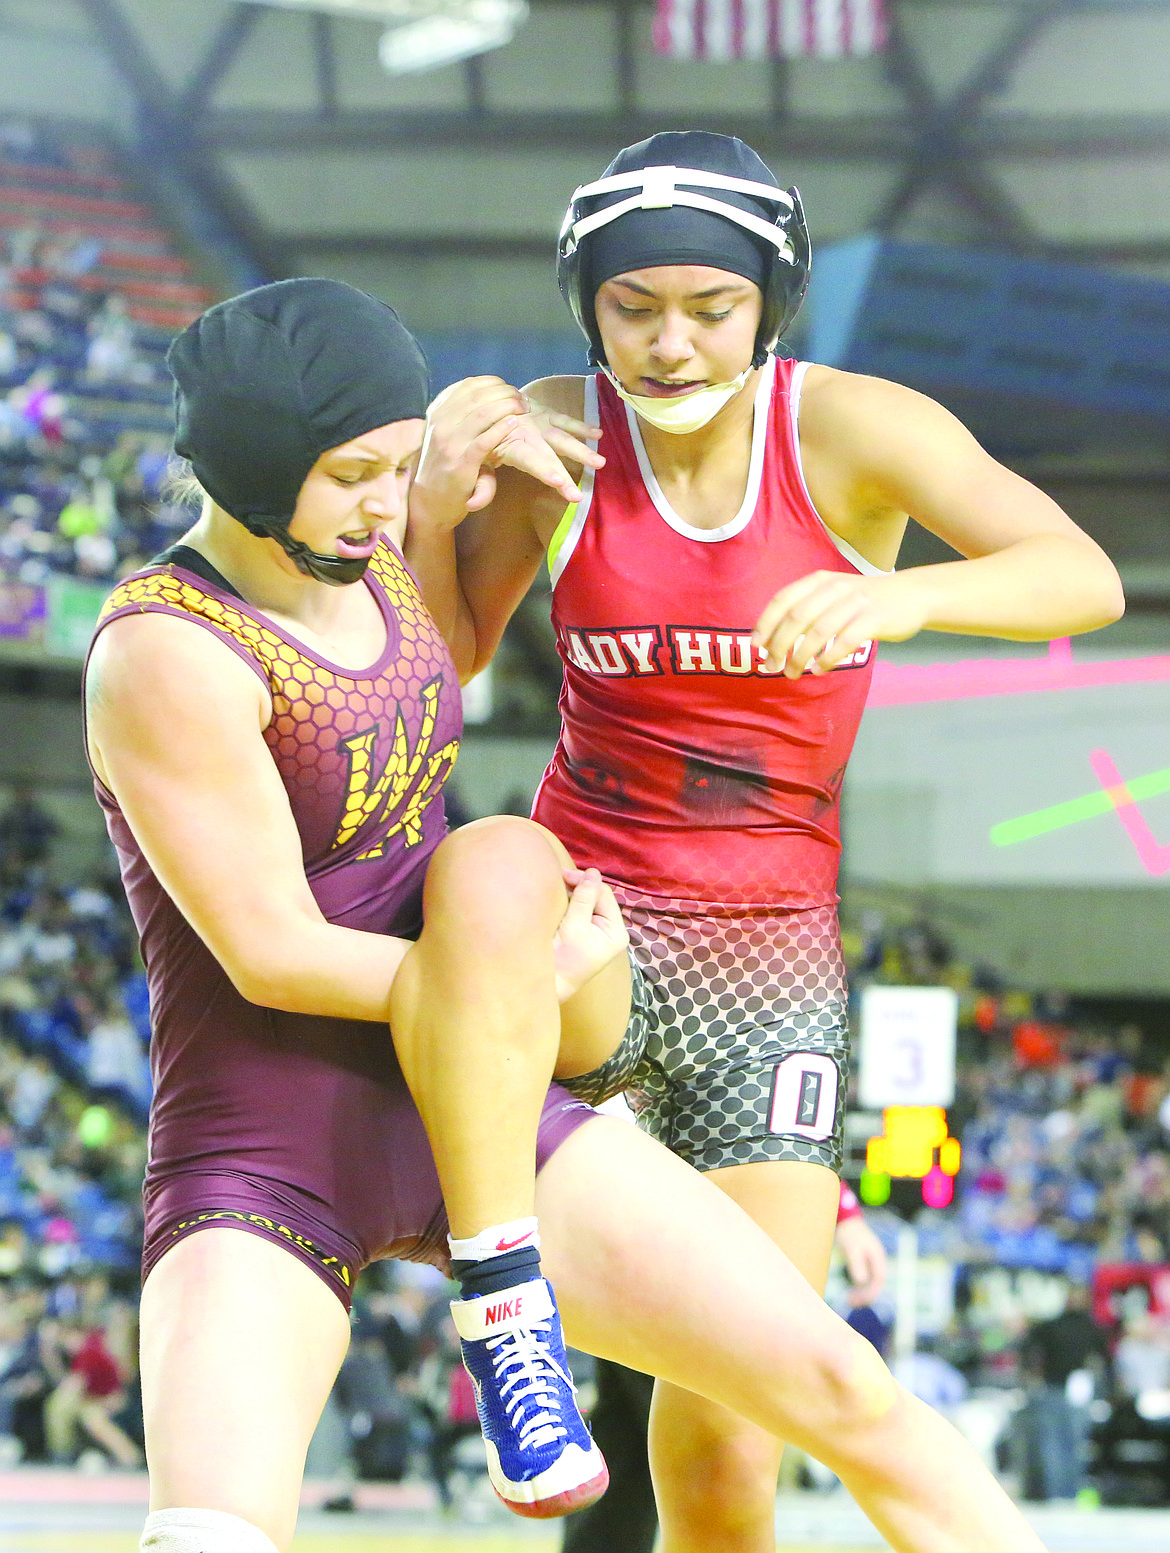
[268,381]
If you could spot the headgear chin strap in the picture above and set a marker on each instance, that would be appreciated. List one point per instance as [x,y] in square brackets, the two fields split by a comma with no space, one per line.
[337,570]
[268,381]
[686,197]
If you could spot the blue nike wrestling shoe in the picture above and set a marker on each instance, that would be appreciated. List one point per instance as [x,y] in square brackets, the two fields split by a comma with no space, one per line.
[541,1457]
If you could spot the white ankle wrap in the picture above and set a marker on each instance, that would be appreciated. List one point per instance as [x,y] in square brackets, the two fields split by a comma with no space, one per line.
[202,1531]
[511,1310]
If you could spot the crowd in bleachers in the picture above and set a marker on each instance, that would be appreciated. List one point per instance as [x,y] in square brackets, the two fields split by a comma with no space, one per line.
[1064,1121]
[74,1087]
[91,291]
[1055,1254]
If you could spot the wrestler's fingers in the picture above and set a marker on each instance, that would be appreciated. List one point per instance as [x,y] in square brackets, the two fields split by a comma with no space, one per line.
[800,631]
[485,490]
[841,646]
[609,912]
[584,885]
[569,436]
[781,604]
[470,407]
[821,639]
[536,458]
[569,446]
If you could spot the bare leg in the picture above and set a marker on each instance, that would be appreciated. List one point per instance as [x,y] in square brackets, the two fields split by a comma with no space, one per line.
[475,1017]
[715,1473]
[240,1346]
[61,1412]
[96,1421]
[658,1269]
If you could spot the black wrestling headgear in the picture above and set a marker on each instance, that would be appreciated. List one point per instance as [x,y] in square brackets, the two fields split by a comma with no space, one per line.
[268,381]
[686,197]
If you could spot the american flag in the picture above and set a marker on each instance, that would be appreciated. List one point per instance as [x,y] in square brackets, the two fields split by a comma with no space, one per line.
[769,29]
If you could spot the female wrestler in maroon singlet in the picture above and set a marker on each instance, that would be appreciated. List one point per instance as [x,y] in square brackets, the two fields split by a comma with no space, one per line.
[717,594]
[271,717]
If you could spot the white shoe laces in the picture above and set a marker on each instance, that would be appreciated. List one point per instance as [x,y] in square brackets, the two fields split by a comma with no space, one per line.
[522,1361]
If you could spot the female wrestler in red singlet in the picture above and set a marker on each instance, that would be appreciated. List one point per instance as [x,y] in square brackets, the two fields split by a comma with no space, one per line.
[717,594]
[271,715]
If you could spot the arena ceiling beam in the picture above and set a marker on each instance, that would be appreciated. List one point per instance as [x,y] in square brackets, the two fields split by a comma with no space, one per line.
[212,68]
[943,153]
[229,223]
[523,246]
[856,138]
[598,132]
[325,60]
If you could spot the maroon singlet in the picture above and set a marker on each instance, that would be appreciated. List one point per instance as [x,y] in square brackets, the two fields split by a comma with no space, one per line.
[295,1127]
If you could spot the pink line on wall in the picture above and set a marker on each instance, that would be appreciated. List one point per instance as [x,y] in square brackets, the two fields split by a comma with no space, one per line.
[1154,856]
[904,684]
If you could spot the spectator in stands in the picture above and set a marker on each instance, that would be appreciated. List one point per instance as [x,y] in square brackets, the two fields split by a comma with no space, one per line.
[1142,1357]
[1061,1358]
[85,1401]
[34,1087]
[25,1380]
[19,141]
[112,355]
[27,829]
[9,355]
[378,1412]
[448,1400]
[116,1065]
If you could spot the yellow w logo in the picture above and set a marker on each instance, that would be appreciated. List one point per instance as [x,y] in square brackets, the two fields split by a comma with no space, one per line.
[367,799]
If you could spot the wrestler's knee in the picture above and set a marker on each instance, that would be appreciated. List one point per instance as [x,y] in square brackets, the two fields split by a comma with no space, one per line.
[853,1391]
[734,1467]
[499,873]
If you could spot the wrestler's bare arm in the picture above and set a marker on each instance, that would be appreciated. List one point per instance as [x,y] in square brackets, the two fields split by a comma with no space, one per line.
[874,453]
[474,566]
[175,722]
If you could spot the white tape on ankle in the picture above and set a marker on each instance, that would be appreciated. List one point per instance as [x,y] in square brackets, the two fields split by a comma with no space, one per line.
[508,1311]
[202,1531]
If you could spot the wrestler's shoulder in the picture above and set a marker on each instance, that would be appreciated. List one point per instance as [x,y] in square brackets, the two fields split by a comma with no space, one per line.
[563,394]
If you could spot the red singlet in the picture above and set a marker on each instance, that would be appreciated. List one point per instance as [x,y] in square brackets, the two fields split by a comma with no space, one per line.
[684,770]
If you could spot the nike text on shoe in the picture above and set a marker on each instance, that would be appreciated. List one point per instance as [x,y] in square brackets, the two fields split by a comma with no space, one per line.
[541,1457]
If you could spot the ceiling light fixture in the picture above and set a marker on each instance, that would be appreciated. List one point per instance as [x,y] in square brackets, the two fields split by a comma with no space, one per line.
[455,31]
[424,34]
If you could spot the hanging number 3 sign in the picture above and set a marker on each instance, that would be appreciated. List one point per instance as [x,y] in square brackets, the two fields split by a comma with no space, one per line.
[908,1046]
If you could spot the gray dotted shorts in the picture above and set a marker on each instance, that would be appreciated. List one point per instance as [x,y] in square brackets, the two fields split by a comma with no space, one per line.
[738,1045]
[617,1073]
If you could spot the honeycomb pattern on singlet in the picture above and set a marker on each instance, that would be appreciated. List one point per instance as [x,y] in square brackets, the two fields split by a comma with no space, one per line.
[734,994]
[311,702]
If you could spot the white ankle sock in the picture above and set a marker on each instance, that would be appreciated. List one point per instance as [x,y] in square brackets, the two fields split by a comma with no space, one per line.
[202,1531]
[496,1240]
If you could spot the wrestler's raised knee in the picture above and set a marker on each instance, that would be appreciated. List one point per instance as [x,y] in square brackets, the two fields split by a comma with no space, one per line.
[498,874]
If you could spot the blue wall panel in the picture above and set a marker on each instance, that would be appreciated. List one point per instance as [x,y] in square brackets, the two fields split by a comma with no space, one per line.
[517,358]
[993,327]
